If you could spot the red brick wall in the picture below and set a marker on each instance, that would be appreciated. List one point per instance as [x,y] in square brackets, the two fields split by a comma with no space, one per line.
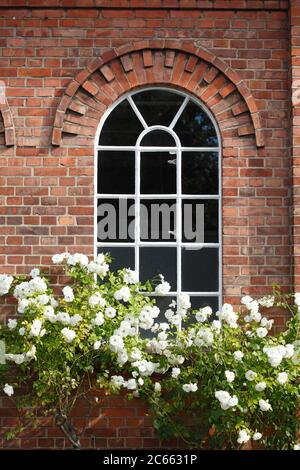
[46,191]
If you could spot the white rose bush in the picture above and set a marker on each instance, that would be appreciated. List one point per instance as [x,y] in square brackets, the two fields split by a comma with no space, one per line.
[218,380]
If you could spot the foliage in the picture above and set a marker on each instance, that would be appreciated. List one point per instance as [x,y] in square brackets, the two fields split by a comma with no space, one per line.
[214,381]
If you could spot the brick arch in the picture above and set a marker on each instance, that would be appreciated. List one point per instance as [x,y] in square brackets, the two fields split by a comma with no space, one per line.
[186,67]
[7,133]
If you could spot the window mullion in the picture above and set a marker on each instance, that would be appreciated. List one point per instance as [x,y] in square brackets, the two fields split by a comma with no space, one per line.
[137,210]
[179,112]
[178,220]
[137,112]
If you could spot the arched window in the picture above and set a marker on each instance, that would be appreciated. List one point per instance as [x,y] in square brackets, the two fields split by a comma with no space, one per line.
[158,199]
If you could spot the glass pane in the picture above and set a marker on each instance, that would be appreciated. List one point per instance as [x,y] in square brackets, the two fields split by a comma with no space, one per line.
[158,173]
[200,221]
[160,260]
[157,222]
[158,138]
[115,220]
[200,270]
[200,173]
[122,126]
[195,128]
[121,257]
[116,172]
[158,106]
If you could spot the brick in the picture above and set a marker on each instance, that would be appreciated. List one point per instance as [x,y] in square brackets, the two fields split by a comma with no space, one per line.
[62,69]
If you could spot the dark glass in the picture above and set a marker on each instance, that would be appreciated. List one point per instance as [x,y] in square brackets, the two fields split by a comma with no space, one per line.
[158,106]
[157,222]
[200,270]
[200,173]
[121,257]
[194,128]
[122,126]
[115,219]
[200,221]
[160,260]
[158,138]
[158,173]
[116,172]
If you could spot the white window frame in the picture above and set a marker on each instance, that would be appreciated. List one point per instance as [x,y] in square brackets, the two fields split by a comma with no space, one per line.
[178,196]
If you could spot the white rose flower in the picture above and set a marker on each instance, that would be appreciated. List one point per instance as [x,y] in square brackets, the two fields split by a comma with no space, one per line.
[261,332]
[97,345]
[62,317]
[37,286]
[31,354]
[122,357]
[123,294]
[117,380]
[297,298]
[260,386]
[99,319]
[216,325]
[282,378]
[175,372]
[130,277]
[257,436]
[163,288]
[68,334]
[275,354]
[96,300]
[68,294]
[190,387]
[267,301]
[22,331]
[203,314]
[110,312]
[226,400]
[22,305]
[243,437]
[264,405]
[75,319]
[116,343]
[16,358]
[183,303]
[77,258]
[228,315]
[35,328]
[5,283]
[296,447]
[157,387]
[43,299]
[238,355]
[230,376]
[58,258]
[34,273]
[246,300]
[12,323]
[250,375]
[289,350]
[267,323]
[131,384]
[8,389]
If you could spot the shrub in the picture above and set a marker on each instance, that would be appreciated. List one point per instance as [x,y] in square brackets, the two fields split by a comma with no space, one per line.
[213,382]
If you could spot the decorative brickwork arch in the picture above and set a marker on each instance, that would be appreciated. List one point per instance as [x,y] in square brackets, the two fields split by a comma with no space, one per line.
[7,133]
[158,62]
